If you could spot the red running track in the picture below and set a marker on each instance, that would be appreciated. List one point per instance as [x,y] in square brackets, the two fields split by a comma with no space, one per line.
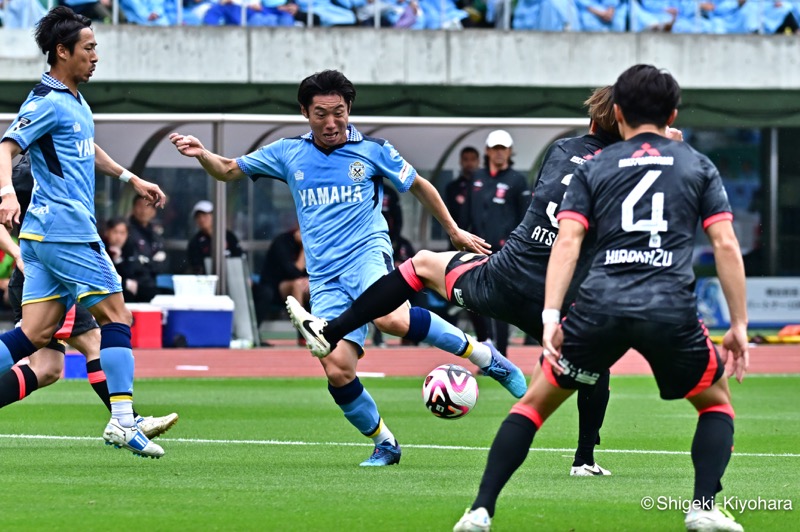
[287,360]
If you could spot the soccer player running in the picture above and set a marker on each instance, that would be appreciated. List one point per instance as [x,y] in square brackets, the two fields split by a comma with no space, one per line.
[335,175]
[508,285]
[64,257]
[79,329]
[643,197]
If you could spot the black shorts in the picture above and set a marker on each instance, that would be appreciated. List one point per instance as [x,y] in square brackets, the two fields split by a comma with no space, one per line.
[75,322]
[683,359]
[473,284]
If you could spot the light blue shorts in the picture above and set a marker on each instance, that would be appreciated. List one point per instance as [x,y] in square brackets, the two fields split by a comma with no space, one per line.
[333,297]
[67,272]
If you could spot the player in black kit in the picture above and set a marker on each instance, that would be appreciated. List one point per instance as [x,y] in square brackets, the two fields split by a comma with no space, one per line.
[508,285]
[643,198]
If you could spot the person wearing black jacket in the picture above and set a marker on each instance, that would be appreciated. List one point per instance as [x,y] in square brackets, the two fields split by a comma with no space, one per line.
[283,273]
[144,250]
[500,196]
[200,244]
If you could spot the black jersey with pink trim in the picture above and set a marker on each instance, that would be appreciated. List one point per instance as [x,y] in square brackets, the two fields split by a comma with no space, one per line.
[522,262]
[643,198]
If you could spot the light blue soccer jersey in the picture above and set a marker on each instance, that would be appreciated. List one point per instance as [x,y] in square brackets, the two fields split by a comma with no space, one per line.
[57,129]
[337,193]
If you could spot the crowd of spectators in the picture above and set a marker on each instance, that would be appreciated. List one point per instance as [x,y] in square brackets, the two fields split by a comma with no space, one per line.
[676,16]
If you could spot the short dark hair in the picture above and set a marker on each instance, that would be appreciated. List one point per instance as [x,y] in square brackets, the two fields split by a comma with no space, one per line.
[111,223]
[324,83]
[601,110]
[60,25]
[469,149]
[646,95]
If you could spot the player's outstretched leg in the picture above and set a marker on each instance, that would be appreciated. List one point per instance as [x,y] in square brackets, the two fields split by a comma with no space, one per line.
[505,372]
[310,327]
[155,426]
[592,404]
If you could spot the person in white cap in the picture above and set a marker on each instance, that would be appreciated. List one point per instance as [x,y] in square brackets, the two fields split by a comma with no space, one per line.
[500,197]
[200,245]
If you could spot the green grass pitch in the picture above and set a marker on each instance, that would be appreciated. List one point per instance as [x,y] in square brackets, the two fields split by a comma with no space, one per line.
[277,454]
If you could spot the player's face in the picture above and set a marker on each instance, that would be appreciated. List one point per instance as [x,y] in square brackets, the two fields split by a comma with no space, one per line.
[117,235]
[83,59]
[328,115]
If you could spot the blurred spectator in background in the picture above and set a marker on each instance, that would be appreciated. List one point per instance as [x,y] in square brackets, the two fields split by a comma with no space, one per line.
[457,199]
[326,13]
[258,13]
[500,196]
[457,191]
[115,238]
[144,250]
[652,15]
[282,274]
[99,10]
[201,244]
[602,15]
[20,14]
[145,12]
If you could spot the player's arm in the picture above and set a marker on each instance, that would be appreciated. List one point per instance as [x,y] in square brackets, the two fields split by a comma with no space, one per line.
[108,166]
[730,270]
[219,167]
[560,269]
[429,197]
[9,206]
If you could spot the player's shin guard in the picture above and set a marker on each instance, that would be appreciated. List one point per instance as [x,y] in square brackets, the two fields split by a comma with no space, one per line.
[14,346]
[424,326]
[381,298]
[592,404]
[508,451]
[17,384]
[711,450]
[116,359]
[359,408]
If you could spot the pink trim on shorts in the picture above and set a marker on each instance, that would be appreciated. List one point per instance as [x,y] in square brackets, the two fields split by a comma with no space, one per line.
[69,322]
[455,274]
[711,369]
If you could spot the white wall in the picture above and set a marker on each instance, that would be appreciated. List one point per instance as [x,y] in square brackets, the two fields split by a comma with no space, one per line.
[386,57]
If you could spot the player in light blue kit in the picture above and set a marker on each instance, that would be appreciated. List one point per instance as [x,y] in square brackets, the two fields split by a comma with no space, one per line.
[335,175]
[65,260]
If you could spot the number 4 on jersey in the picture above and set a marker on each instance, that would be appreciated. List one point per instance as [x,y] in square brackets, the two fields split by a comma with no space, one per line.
[656,224]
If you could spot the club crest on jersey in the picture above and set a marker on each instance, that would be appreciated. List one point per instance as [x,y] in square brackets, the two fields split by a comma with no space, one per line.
[357,171]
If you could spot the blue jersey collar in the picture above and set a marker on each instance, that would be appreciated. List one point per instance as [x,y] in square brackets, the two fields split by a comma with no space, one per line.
[353,135]
[53,83]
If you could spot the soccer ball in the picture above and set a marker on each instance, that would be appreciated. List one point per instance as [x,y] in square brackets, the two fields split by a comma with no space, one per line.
[450,391]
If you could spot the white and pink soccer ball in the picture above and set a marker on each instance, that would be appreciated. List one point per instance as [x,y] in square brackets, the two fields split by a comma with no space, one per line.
[450,391]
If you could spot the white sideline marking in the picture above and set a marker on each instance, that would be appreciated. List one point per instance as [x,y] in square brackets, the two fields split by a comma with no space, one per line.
[409,446]
[191,368]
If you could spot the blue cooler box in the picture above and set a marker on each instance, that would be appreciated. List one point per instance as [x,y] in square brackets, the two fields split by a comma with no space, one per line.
[196,321]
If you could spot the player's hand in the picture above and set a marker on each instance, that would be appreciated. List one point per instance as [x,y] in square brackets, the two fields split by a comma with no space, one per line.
[552,338]
[735,343]
[9,211]
[466,241]
[155,196]
[674,134]
[187,144]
